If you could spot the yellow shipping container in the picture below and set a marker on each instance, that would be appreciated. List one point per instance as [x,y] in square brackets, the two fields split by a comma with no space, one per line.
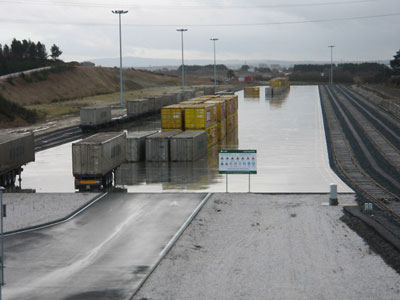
[221,109]
[229,104]
[212,135]
[165,130]
[173,116]
[200,116]
[221,129]
[252,92]
[232,122]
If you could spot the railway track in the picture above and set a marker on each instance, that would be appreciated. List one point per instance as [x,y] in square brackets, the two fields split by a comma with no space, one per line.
[364,146]
[58,137]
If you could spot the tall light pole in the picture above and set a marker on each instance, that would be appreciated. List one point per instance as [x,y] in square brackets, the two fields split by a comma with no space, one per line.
[183,63]
[331,77]
[121,96]
[215,63]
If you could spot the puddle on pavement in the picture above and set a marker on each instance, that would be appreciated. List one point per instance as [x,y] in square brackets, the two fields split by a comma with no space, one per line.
[286,130]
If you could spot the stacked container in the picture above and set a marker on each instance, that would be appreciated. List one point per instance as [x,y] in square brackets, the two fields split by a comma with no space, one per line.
[221,116]
[252,92]
[157,146]
[203,117]
[173,117]
[136,145]
[189,145]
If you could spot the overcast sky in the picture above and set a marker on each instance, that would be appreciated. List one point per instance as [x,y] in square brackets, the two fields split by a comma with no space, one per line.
[292,30]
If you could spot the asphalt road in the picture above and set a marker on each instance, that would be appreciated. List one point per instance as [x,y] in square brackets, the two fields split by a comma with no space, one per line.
[101,254]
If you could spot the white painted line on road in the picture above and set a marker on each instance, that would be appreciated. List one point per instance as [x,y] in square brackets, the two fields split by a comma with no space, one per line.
[57,222]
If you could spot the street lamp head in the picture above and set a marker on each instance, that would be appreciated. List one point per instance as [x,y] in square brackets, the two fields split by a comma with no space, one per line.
[119,11]
[214,39]
[182,30]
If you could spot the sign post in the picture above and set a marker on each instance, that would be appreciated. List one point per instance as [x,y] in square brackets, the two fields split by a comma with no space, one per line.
[237,162]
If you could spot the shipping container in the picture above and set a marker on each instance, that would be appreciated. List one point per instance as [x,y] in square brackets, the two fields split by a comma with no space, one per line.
[200,116]
[173,116]
[16,150]
[232,122]
[94,116]
[139,107]
[221,125]
[157,146]
[188,145]
[94,158]
[252,92]
[212,135]
[136,145]
[221,109]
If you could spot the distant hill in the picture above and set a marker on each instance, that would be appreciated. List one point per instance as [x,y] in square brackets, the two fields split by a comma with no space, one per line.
[157,63]
[51,86]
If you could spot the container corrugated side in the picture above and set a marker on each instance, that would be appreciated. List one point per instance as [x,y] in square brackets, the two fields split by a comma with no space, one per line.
[253,92]
[157,146]
[92,116]
[99,154]
[173,116]
[200,116]
[212,135]
[136,145]
[221,125]
[139,107]
[16,150]
[221,108]
[188,145]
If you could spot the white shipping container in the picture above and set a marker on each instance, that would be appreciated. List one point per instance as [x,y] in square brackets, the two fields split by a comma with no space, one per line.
[139,107]
[136,145]
[93,116]
[99,154]
[16,150]
[189,145]
[157,146]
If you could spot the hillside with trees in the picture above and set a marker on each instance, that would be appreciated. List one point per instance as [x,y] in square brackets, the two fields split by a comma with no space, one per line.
[26,55]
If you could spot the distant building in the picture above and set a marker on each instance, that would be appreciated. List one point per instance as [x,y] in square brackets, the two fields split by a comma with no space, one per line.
[252,69]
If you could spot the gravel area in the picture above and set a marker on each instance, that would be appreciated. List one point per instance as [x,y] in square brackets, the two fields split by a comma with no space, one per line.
[263,246]
[26,210]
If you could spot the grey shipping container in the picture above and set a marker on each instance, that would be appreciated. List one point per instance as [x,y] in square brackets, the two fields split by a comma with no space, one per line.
[136,145]
[189,145]
[94,116]
[99,154]
[15,150]
[268,91]
[139,107]
[157,146]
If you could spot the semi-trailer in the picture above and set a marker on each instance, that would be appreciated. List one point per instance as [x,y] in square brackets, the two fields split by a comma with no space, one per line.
[95,158]
[16,150]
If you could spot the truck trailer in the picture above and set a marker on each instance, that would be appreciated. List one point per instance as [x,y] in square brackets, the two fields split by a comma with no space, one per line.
[95,158]
[16,150]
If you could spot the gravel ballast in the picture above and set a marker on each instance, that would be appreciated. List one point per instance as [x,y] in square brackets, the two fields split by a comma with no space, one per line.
[254,246]
[27,209]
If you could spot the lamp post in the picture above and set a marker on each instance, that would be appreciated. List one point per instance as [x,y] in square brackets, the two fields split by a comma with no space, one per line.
[215,63]
[331,75]
[2,211]
[121,96]
[183,63]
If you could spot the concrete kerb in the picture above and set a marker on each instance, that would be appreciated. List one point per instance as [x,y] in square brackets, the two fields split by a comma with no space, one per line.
[58,221]
[168,247]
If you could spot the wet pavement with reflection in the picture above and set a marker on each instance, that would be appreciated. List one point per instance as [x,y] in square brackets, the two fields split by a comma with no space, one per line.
[286,130]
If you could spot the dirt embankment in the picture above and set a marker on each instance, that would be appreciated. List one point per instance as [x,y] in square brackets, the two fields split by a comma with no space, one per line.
[78,83]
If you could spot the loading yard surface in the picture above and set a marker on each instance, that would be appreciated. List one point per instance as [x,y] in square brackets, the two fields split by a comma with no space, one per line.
[249,246]
[287,132]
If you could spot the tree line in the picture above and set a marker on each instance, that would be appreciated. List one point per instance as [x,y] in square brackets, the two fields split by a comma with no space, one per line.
[25,55]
